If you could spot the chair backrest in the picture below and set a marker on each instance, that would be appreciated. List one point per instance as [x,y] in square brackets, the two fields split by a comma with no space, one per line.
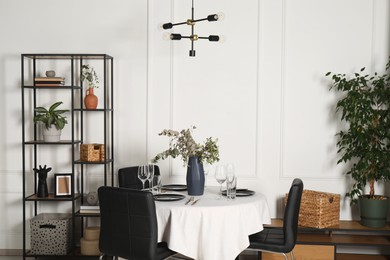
[128,223]
[291,214]
[128,177]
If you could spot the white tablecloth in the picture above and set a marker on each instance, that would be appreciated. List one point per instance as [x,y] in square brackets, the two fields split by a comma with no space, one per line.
[211,229]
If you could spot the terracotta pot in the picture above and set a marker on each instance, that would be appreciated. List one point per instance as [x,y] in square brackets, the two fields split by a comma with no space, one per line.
[90,100]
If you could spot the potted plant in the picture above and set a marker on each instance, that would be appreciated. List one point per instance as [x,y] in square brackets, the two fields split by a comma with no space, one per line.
[365,141]
[53,121]
[193,155]
[89,75]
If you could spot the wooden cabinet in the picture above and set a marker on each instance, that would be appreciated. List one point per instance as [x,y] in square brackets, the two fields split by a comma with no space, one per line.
[328,243]
[64,156]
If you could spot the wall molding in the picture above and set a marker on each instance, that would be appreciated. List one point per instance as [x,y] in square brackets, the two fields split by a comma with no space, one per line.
[283,174]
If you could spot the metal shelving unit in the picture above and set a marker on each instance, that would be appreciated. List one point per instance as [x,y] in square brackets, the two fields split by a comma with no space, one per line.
[78,114]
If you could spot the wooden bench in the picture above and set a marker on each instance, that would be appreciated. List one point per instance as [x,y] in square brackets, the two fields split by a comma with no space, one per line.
[326,243]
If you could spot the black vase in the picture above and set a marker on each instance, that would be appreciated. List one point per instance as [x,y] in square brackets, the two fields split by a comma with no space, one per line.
[195,177]
[42,189]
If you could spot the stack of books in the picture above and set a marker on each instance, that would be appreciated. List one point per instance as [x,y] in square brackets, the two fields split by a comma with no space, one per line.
[49,81]
[88,209]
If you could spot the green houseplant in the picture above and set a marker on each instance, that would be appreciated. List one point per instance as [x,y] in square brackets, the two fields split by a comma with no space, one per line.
[89,75]
[193,155]
[365,141]
[53,120]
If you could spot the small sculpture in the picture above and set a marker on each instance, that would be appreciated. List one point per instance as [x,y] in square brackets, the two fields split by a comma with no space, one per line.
[92,199]
[42,184]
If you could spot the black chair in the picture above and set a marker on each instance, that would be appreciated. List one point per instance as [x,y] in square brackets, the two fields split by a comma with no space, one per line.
[128,225]
[283,240]
[128,177]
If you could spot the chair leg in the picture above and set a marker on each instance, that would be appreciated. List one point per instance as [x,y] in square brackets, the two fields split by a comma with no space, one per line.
[259,255]
[285,256]
[292,255]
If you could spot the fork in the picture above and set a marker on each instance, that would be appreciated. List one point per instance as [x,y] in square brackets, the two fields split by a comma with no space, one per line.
[190,200]
[195,201]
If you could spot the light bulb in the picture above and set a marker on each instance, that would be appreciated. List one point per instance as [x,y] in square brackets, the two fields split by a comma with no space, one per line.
[222,39]
[221,16]
[160,27]
[166,36]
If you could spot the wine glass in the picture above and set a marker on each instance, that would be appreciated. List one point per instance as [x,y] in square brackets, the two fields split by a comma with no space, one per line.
[230,172]
[206,169]
[220,176]
[143,175]
[150,169]
[156,184]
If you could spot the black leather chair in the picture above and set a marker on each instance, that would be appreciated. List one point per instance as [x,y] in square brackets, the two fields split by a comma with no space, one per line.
[128,177]
[281,240]
[128,225]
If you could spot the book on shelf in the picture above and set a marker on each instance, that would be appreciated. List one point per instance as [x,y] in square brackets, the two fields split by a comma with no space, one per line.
[56,79]
[86,208]
[49,81]
[48,85]
[89,211]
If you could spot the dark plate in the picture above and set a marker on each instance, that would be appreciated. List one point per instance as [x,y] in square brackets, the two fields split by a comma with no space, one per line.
[168,197]
[174,187]
[241,192]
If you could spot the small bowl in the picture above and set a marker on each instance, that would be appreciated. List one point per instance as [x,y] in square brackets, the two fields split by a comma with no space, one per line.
[50,73]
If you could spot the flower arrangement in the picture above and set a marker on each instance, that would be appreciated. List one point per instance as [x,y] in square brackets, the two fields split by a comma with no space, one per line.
[183,144]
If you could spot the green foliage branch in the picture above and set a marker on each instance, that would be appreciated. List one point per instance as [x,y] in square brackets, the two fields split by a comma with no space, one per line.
[183,144]
[89,75]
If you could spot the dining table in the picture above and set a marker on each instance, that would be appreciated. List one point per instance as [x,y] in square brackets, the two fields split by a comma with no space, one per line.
[212,228]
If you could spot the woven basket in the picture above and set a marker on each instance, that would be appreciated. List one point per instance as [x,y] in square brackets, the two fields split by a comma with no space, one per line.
[92,152]
[319,209]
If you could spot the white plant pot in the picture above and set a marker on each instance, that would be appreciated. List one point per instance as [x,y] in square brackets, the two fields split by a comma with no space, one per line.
[51,134]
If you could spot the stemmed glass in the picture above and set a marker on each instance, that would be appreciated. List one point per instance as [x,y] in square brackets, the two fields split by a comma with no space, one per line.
[220,176]
[143,175]
[150,169]
[206,169]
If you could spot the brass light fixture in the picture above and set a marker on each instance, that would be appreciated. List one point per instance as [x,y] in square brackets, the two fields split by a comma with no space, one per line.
[191,22]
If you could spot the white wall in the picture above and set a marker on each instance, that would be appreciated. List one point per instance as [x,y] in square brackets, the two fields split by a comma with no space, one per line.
[262,93]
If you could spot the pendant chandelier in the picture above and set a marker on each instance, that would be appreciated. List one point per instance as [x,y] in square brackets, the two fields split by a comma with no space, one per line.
[191,22]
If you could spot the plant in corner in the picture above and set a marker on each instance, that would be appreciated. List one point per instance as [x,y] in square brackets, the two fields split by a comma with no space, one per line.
[89,75]
[193,155]
[53,121]
[365,141]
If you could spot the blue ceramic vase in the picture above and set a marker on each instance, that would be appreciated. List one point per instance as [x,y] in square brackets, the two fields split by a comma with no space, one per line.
[195,177]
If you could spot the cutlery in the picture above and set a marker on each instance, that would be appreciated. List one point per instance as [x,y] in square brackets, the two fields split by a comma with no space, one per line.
[193,203]
[188,201]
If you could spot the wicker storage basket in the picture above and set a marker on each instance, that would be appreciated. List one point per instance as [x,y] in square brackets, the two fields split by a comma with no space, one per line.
[92,152]
[319,209]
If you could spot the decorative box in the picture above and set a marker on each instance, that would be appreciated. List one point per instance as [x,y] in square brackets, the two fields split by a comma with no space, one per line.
[319,209]
[51,234]
[92,152]
[89,244]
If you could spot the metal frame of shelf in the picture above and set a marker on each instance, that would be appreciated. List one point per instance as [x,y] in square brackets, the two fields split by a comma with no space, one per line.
[76,108]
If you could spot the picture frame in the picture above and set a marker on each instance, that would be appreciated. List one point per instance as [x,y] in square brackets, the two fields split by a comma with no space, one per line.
[62,184]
